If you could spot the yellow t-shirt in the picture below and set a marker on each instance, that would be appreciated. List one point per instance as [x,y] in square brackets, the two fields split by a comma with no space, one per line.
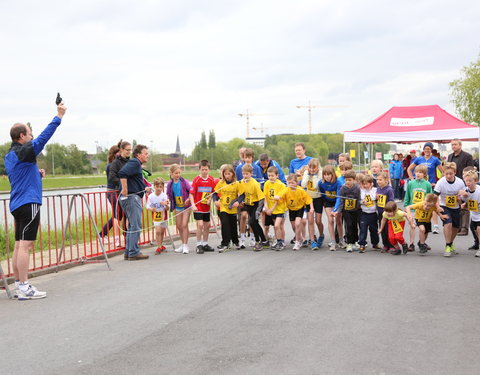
[297,199]
[227,193]
[422,215]
[399,216]
[252,190]
[271,190]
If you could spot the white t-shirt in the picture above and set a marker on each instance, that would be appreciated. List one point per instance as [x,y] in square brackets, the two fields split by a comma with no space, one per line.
[448,191]
[369,198]
[154,201]
[473,207]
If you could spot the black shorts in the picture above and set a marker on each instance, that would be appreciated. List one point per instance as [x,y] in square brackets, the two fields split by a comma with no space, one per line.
[327,203]
[453,216]
[317,205]
[474,225]
[428,226]
[297,213]
[205,216]
[27,219]
[270,219]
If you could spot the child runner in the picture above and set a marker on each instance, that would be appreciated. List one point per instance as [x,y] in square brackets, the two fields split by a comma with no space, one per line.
[423,218]
[178,192]
[349,206]
[330,189]
[447,188]
[416,191]
[158,203]
[274,191]
[344,168]
[257,175]
[385,194]
[471,196]
[396,225]
[227,190]
[252,197]
[201,196]
[368,216]
[475,245]
[376,166]
[310,180]
[296,199]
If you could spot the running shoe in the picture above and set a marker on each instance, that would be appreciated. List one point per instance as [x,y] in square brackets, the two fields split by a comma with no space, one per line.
[31,293]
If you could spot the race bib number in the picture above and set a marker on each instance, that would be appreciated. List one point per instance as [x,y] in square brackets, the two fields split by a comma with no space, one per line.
[310,186]
[472,205]
[368,201]
[271,193]
[331,194]
[424,216]
[205,197]
[381,200]
[397,228]
[451,201]
[350,204]
[418,196]
[248,200]
[158,216]
[179,201]
[227,199]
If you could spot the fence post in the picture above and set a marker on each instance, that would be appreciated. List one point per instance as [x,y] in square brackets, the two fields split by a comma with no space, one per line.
[92,220]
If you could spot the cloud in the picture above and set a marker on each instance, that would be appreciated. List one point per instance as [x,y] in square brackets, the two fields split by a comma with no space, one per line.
[150,70]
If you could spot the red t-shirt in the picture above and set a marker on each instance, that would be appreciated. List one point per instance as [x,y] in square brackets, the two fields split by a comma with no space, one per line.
[201,190]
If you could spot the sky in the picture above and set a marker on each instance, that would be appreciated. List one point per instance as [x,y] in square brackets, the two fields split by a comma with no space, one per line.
[151,70]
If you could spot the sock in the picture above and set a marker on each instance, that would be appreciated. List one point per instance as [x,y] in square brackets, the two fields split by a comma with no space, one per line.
[17,283]
[23,286]
[242,236]
[199,243]
[205,243]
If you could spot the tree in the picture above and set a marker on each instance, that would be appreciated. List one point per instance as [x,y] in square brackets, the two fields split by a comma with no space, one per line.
[203,141]
[211,139]
[466,93]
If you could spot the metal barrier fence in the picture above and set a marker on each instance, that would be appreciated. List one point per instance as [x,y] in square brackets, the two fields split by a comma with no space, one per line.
[82,241]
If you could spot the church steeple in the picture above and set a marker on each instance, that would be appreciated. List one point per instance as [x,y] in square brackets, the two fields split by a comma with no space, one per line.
[177,149]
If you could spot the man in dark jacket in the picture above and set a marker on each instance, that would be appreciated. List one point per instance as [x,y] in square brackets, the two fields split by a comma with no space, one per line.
[133,189]
[462,159]
[26,196]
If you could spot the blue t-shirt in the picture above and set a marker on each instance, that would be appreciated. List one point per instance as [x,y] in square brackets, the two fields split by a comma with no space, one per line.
[296,164]
[432,163]
[177,192]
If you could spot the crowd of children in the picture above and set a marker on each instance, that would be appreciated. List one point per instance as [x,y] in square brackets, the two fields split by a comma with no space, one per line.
[355,205]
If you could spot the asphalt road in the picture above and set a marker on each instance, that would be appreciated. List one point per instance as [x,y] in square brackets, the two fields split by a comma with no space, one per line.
[252,313]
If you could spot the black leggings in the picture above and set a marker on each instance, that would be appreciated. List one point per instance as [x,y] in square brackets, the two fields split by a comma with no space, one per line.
[229,228]
[253,222]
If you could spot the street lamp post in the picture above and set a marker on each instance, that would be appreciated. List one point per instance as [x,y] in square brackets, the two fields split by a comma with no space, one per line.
[151,156]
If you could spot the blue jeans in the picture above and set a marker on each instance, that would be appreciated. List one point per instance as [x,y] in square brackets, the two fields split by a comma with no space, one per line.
[132,207]
[396,187]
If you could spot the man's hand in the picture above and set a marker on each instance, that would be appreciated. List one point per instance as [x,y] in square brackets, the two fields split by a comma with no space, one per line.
[124,192]
[148,189]
[42,172]
[61,110]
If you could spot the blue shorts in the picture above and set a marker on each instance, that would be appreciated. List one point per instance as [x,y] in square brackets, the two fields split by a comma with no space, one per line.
[453,216]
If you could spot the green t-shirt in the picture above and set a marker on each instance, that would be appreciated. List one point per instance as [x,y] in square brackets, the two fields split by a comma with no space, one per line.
[416,191]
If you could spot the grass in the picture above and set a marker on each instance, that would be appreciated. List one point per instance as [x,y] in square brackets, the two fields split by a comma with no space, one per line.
[60,182]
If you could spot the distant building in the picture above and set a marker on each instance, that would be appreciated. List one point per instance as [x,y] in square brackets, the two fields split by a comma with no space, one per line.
[259,141]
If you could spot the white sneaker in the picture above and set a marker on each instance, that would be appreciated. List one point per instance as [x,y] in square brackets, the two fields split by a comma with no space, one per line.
[477,254]
[179,249]
[242,244]
[349,248]
[252,241]
[331,246]
[436,229]
[185,249]
[31,293]
[342,245]
[297,245]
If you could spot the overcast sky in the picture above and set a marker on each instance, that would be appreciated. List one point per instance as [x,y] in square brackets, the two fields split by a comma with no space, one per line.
[149,70]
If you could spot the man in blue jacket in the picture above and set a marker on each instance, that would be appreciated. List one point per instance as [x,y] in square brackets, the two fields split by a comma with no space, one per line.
[133,189]
[26,197]
[265,162]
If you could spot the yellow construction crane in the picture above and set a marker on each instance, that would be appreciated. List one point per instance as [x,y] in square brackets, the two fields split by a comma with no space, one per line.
[247,117]
[309,108]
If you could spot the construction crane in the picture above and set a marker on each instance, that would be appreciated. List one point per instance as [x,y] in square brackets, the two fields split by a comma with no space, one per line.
[247,117]
[263,128]
[309,108]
